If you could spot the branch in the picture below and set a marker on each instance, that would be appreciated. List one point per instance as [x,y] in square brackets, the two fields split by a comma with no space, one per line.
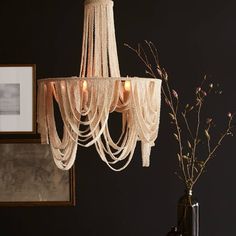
[226,133]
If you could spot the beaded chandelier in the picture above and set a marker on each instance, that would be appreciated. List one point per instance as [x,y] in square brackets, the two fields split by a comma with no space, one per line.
[85,102]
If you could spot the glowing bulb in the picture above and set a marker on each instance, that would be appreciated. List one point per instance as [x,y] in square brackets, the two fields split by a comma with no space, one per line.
[63,86]
[127,85]
[85,85]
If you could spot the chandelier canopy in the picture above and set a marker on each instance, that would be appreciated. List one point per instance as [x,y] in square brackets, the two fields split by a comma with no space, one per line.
[85,102]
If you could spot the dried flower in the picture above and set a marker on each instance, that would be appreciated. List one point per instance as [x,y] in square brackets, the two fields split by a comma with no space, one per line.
[211,85]
[198,90]
[175,94]
[167,101]
[209,120]
[229,114]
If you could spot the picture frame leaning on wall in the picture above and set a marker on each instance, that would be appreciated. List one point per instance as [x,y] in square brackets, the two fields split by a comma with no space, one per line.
[29,177]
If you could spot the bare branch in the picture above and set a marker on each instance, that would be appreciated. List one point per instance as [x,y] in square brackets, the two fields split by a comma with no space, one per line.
[190,168]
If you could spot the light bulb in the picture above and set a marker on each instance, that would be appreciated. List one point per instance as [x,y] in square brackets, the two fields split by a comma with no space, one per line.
[127,85]
[85,85]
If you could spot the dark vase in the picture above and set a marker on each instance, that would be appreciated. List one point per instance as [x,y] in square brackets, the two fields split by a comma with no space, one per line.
[188,215]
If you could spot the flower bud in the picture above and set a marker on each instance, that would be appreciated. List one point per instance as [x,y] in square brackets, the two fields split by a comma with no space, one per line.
[175,94]
[198,89]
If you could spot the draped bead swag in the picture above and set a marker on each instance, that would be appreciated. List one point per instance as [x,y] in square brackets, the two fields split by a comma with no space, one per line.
[85,102]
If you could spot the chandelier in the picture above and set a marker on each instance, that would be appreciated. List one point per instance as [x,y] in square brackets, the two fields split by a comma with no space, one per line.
[85,102]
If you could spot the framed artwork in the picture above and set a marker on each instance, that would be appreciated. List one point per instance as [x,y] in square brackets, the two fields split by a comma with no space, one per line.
[29,177]
[17,99]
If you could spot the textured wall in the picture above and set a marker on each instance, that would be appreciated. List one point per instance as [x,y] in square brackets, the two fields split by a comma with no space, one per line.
[194,38]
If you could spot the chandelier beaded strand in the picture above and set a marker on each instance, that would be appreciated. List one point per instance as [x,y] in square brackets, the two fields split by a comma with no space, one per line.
[85,102]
